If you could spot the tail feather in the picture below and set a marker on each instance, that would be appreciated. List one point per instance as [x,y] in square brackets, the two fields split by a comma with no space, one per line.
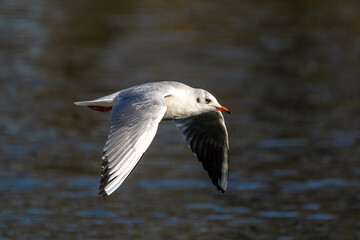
[102,104]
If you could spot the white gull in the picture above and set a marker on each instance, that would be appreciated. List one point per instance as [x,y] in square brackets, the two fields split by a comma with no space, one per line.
[135,115]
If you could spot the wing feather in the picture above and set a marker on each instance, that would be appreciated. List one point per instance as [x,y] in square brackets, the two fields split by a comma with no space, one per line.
[207,137]
[134,122]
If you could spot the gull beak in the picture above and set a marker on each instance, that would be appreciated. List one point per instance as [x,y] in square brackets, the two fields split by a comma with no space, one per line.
[223,109]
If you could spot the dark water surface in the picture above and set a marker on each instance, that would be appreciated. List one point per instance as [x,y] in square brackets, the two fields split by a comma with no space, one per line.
[288,70]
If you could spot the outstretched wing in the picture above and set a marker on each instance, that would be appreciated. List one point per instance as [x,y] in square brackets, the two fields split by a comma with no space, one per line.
[207,137]
[134,122]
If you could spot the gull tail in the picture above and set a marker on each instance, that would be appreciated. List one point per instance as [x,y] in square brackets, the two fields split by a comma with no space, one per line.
[103,104]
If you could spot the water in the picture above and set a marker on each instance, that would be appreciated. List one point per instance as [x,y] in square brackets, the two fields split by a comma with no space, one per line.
[287,70]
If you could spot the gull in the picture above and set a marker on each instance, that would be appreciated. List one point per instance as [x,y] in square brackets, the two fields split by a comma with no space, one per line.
[135,115]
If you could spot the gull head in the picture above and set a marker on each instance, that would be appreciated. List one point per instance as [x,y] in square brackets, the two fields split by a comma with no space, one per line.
[206,102]
[190,102]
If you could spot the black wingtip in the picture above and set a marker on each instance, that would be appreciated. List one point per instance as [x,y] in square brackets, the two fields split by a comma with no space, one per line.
[220,189]
[102,193]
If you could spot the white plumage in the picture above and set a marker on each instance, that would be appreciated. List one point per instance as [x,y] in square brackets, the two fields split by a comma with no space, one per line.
[135,115]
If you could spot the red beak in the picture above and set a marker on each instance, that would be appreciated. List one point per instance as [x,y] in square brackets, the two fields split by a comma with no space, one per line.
[223,109]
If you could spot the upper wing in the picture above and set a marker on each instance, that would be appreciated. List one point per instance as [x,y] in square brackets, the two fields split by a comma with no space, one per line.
[134,123]
[207,137]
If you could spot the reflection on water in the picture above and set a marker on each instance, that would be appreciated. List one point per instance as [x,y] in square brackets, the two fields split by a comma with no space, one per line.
[288,70]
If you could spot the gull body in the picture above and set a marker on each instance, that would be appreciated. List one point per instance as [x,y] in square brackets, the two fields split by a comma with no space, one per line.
[135,115]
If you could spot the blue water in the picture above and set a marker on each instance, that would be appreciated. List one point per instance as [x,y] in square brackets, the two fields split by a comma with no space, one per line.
[287,70]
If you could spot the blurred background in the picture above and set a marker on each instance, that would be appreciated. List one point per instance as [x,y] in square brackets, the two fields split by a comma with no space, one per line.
[288,70]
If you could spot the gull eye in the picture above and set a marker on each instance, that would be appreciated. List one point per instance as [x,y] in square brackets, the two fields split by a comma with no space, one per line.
[198,100]
[207,100]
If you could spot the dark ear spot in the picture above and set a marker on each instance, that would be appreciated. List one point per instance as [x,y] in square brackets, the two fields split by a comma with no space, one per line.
[198,100]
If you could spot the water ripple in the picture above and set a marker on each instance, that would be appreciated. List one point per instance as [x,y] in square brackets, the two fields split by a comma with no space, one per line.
[278,214]
[23,184]
[320,183]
